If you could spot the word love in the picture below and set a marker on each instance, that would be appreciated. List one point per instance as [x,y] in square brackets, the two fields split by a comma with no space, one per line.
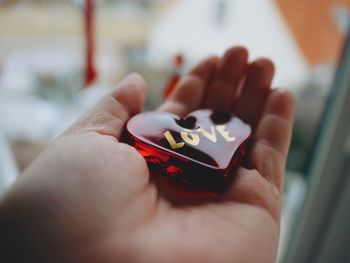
[188,161]
[192,137]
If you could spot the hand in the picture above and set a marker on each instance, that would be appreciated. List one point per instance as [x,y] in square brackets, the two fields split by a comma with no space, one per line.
[88,197]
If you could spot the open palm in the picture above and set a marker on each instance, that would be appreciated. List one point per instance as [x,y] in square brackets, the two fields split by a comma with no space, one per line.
[89,198]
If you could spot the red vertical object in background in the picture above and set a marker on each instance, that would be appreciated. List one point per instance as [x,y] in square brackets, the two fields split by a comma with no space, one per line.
[90,70]
[177,65]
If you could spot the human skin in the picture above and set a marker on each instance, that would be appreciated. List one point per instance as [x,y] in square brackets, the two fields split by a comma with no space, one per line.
[89,198]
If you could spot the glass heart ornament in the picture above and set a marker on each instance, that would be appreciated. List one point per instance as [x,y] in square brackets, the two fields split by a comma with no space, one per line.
[199,151]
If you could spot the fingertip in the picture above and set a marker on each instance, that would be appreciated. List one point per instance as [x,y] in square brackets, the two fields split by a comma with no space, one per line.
[131,93]
[213,59]
[287,95]
[205,68]
[265,63]
[237,52]
[189,92]
[234,59]
[255,91]
[264,69]
[282,102]
[186,97]
[134,81]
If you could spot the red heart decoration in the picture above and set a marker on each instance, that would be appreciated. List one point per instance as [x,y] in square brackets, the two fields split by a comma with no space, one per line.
[200,150]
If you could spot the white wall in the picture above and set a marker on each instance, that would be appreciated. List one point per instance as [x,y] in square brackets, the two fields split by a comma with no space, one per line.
[189,27]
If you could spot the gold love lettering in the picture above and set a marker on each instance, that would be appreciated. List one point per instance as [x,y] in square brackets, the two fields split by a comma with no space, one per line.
[190,137]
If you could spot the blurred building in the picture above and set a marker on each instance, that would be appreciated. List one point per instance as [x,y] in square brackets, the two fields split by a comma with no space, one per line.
[319,27]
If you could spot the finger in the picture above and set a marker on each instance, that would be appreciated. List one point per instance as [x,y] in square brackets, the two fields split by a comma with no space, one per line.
[255,89]
[272,138]
[110,114]
[189,93]
[223,89]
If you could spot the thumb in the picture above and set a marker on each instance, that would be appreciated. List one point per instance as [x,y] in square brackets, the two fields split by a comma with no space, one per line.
[110,114]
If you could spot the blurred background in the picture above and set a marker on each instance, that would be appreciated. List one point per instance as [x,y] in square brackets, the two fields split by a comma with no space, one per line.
[58,57]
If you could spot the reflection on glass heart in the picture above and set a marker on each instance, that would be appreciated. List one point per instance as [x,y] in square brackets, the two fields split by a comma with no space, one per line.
[198,151]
